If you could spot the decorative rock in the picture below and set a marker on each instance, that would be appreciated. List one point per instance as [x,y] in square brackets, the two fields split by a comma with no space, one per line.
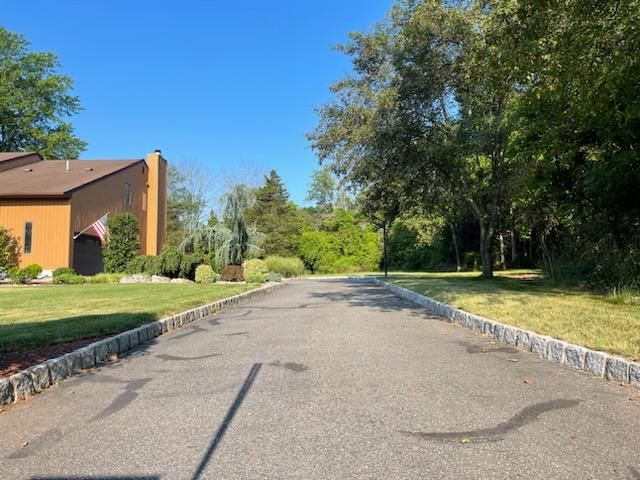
[634,374]
[22,386]
[57,369]
[489,327]
[574,356]
[183,281]
[539,345]
[113,348]
[40,377]
[159,279]
[498,332]
[88,356]
[555,350]
[595,362]
[6,391]
[617,370]
[137,278]
[74,362]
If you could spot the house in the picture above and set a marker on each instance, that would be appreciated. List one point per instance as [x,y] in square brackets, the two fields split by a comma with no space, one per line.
[50,205]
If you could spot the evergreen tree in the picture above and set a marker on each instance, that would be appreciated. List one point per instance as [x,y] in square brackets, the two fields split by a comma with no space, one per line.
[122,243]
[275,216]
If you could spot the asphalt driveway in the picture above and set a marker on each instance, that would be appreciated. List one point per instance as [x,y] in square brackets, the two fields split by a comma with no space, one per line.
[325,379]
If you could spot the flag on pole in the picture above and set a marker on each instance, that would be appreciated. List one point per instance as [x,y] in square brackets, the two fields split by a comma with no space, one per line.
[100,227]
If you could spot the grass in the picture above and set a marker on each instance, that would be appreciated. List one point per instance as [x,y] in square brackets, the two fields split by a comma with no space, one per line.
[524,299]
[32,316]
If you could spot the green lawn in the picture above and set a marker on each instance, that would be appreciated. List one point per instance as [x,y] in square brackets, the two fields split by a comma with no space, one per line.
[33,316]
[523,299]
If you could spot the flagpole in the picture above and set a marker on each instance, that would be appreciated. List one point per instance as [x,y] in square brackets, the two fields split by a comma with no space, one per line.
[91,225]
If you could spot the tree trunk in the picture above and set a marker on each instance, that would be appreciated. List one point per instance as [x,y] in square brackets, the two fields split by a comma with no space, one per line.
[384,247]
[503,260]
[455,247]
[514,248]
[485,249]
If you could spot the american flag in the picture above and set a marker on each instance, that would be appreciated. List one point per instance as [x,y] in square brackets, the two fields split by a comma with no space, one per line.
[100,227]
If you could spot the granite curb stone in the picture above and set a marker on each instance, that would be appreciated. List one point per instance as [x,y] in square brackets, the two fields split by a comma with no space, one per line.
[597,363]
[39,377]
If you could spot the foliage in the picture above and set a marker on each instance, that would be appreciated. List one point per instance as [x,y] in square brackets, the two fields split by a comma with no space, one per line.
[274,216]
[170,261]
[9,250]
[26,274]
[122,243]
[147,264]
[186,201]
[204,274]
[255,270]
[344,245]
[286,266]
[322,190]
[35,101]
[274,277]
[232,273]
[105,278]
[255,278]
[62,270]
[190,263]
[69,279]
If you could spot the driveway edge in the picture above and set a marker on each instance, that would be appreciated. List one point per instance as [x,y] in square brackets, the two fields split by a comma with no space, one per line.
[599,364]
[38,378]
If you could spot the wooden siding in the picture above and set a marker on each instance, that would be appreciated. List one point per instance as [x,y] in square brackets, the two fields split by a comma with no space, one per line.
[51,242]
[156,204]
[108,195]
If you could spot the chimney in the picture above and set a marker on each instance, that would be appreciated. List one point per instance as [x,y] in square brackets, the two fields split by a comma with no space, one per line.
[156,222]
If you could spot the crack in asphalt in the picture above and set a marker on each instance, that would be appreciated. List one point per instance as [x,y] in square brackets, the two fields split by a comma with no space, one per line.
[526,416]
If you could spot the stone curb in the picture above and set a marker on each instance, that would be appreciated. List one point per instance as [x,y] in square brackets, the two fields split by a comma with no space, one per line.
[37,378]
[600,364]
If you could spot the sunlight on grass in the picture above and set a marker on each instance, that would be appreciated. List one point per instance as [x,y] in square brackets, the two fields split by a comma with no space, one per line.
[48,314]
[524,299]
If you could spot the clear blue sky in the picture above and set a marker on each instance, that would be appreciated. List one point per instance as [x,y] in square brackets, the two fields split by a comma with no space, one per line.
[222,83]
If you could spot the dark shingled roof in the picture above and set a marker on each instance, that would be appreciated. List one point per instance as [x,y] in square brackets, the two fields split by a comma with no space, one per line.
[49,178]
[11,155]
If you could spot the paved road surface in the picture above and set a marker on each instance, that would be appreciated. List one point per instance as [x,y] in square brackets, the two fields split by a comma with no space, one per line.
[331,379]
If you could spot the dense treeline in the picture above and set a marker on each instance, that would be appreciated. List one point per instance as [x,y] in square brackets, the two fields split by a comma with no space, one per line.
[519,117]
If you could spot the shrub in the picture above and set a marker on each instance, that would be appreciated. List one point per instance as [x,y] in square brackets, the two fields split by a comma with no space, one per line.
[59,271]
[122,242]
[146,264]
[9,250]
[105,278]
[255,269]
[170,261]
[274,277]
[286,266]
[232,273]
[190,263]
[255,278]
[204,274]
[69,279]
[26,274]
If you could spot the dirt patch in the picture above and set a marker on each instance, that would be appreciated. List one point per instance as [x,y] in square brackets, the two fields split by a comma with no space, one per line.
[13,362]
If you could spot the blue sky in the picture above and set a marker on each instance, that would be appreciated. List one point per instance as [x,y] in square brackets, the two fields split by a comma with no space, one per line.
[221,83]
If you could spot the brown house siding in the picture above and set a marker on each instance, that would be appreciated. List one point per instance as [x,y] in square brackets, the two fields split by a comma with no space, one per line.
[91,202]
[51,244]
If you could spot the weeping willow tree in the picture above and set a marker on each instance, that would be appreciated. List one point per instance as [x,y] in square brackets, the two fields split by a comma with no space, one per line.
[232,241]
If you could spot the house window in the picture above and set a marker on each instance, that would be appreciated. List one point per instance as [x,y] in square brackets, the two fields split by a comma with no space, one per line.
[144,201]
[127,194]
[28,236]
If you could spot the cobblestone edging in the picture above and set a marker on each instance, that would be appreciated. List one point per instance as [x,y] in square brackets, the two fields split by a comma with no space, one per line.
[40,377]
[597,363]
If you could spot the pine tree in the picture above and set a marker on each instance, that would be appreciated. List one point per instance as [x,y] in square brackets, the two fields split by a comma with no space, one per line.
[275,216]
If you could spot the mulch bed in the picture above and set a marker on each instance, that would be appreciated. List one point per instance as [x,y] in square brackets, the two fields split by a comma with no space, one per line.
[13,362]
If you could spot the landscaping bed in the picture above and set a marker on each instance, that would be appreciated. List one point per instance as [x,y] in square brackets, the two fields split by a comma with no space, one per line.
[41,321]
[525,300]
